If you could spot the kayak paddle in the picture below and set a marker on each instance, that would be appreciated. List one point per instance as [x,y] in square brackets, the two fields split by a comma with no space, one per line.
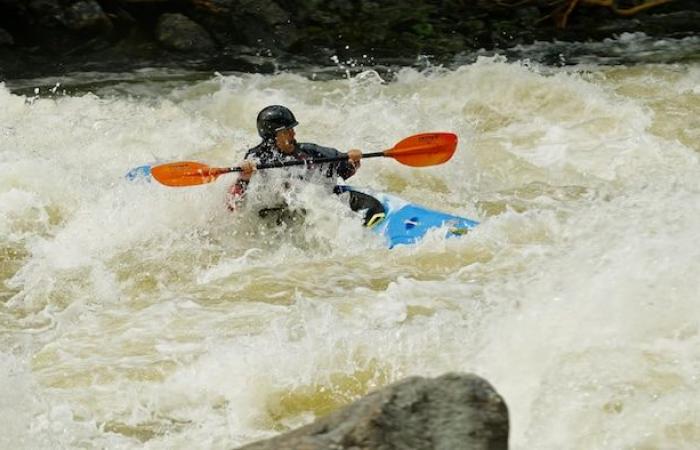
[420,150]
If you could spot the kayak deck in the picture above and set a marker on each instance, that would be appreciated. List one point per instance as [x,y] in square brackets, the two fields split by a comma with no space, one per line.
[402,222]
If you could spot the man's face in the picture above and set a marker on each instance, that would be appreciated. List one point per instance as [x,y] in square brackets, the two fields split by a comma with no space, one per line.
[285,140]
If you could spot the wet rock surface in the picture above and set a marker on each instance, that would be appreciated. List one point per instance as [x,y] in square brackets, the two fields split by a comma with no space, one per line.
[178,32]
[453,411]
[41,37]
[5,38]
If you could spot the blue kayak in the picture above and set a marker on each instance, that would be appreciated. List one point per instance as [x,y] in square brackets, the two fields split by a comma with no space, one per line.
[402,222]
[399,221]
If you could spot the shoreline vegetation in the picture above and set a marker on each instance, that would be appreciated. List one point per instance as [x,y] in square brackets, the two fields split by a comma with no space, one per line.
[53,37]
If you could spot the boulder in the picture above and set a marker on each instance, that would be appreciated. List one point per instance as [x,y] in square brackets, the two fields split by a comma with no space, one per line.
[265,24]
[454,411]
[5,38]
[178,32]
[87,15]
[44,13]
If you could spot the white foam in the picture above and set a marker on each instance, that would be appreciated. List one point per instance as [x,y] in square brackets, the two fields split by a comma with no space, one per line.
[146,316]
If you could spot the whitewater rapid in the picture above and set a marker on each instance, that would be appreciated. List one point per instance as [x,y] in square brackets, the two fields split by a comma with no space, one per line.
[138,316]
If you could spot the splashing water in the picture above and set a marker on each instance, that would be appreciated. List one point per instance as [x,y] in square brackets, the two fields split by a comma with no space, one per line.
[138,316]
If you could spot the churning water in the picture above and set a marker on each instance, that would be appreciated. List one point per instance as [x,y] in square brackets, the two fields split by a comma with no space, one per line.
[138,316]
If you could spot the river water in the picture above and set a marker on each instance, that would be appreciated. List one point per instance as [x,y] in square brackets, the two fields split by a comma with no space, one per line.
[138,316]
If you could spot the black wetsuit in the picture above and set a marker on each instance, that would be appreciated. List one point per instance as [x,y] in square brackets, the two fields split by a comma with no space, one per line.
[267,152]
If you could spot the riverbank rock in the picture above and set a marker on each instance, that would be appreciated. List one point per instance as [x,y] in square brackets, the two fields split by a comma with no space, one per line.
[5,38]
[52,36]
[180,33]
[453,411]
[87,15]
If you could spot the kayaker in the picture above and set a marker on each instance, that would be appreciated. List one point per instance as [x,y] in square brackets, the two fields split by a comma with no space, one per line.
[276,128]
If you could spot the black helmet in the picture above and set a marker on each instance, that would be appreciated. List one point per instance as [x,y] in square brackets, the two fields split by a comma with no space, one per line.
[274,118]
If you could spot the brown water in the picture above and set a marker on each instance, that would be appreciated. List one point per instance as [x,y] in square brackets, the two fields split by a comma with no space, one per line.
[138,316]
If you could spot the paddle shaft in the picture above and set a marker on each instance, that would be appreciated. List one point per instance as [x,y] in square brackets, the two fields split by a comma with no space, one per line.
[301,162]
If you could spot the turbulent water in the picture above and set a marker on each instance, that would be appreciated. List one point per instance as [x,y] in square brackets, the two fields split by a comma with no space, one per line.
[138,316]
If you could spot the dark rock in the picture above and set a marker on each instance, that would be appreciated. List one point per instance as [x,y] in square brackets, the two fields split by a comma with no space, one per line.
[267,11]
[216,18]
[293,33]
[676,22]
[5,38]
[178,32]
[528,15]
[263,23]
[454,411]
[45,13]
[87,15]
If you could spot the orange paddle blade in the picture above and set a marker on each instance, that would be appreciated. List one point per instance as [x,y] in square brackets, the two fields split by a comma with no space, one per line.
[422,150]
[186,173]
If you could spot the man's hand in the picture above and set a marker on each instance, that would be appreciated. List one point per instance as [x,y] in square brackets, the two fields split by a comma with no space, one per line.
[354,157]
[247,169]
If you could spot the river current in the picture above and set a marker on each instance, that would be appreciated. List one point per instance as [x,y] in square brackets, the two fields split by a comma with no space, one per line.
[133,315]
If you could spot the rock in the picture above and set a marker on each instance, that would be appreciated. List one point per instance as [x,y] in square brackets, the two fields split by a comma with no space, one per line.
[5,38]
[178,32]
[87,15]
[115,33]
[263,23]
[266,10]
[454,411]
[45,13]
[679,22]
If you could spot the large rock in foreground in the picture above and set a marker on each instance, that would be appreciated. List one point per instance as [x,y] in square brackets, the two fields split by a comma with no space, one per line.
[454,411]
